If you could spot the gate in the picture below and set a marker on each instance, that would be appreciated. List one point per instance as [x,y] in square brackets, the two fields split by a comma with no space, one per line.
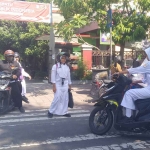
[100,58]
[103,57]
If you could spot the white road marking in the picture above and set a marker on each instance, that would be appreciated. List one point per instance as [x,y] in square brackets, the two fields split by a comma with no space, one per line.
[59,140]
[41,114]
[132,145]
[41,118]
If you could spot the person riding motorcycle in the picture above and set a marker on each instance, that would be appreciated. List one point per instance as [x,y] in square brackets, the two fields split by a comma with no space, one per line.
[7,66]
[135,94]
[116,67]
[22,77]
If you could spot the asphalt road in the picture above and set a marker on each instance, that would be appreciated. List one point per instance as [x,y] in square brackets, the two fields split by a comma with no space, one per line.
[34,131]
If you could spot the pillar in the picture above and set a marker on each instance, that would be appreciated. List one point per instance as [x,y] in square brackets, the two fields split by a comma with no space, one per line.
[87,55]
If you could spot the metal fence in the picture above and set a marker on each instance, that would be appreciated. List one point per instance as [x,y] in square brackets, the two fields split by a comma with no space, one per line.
[100,58]
[103,57]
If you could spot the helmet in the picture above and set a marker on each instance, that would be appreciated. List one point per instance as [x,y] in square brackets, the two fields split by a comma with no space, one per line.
[16,54]
[8,53]
[62,54]
[117,58]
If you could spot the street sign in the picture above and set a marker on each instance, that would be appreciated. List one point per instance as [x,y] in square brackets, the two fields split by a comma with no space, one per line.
[109,18]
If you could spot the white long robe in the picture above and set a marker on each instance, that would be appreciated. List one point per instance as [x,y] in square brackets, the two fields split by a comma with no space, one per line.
[143,93]
[23,82]
[59,104]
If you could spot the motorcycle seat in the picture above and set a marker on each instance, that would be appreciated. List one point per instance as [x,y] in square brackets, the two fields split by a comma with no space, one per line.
[107,81]
[142,100]
[142,104]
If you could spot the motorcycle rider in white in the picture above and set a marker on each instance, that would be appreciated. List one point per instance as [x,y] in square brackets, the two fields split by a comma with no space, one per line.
[133,94]
[24,74]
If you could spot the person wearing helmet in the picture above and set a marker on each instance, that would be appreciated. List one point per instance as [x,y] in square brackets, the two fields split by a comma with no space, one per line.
[8,65]
[65,54]
[116,67]
[134,94]
[60,78]
[22,77]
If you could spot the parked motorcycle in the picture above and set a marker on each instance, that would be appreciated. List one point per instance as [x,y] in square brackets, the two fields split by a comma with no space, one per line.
[5,92]
[108,112]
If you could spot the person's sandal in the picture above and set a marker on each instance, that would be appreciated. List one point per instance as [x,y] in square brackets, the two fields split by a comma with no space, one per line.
[50,115]
[21,109]
[67,115]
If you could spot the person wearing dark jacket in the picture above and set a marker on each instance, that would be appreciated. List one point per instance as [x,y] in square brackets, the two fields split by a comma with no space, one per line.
[8,65]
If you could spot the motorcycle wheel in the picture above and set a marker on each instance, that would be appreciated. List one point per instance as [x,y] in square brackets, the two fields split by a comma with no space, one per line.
[3,104]
[100,120]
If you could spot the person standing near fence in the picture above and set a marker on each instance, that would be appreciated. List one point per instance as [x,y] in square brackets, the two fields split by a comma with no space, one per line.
[60,78]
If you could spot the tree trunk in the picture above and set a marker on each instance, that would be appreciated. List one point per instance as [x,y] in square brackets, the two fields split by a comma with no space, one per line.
[122,46]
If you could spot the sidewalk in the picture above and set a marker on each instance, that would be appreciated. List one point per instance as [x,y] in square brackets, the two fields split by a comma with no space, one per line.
[40,95]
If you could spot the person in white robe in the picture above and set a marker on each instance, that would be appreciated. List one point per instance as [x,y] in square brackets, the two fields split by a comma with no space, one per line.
[22,78]
[60,78]
[133,94]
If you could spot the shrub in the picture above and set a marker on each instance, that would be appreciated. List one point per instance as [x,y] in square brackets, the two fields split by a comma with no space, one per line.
[81,73]
[88,75]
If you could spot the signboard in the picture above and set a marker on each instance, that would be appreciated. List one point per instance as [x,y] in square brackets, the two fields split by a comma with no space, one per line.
[105,38]
[109,18]
[24,11]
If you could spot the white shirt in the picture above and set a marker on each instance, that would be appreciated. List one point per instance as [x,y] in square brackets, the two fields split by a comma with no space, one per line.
[59,72]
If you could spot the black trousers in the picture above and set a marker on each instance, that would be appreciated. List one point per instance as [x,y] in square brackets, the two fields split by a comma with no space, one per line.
[16,90]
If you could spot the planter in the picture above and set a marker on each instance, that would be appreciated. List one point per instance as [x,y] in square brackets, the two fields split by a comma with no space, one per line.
[98,74]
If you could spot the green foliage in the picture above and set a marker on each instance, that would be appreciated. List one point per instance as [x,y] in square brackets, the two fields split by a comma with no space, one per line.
[130,19]
[88,75]
[69,27]
[1,56]
[81,73]
[20,37]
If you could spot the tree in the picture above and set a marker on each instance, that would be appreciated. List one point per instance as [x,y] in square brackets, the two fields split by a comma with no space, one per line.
[130,18]
[20,37]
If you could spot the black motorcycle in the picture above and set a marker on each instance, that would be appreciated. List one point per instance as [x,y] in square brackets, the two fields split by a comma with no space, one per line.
[108,112]
[6,103]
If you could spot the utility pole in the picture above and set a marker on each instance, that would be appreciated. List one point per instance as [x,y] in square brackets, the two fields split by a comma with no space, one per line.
[109,24]
[51,43]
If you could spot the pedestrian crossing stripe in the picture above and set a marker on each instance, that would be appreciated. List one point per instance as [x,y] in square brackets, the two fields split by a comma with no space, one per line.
[41,118]
[38,114]
[76,138]
[137,144]
[132,145]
